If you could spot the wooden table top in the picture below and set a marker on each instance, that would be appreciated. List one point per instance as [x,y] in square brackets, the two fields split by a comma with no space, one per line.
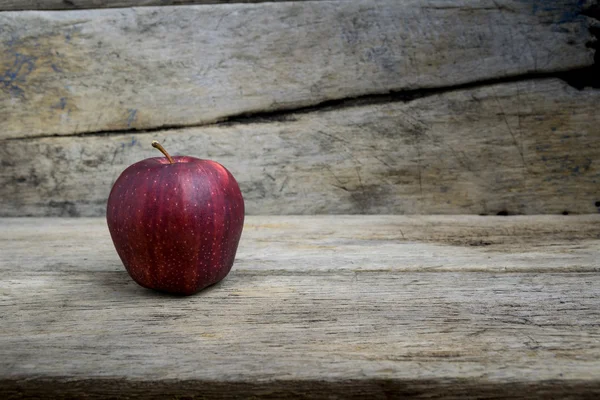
[315,307]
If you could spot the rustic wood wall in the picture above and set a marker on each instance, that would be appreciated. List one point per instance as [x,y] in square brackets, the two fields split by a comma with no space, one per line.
[356,106]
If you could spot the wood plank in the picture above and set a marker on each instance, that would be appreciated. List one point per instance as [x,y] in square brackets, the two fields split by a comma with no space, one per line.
[520,148]
[18,5]
[73,320]
[354,244]
[139,68]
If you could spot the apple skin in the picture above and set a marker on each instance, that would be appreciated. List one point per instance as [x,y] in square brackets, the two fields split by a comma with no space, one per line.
[176,227]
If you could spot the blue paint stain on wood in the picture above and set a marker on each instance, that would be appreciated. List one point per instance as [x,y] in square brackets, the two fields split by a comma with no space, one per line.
[17,73]
[70,32]
[566,12]
[130,143]
[132,116]
[61,104]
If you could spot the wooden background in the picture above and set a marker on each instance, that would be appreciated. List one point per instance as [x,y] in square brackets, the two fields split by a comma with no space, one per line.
[317,107]
[321,107]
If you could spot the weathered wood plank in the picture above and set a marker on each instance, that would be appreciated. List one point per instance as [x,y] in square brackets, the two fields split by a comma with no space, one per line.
[520,148]
[350,244]
[73,320]
[118,69]
[19,5]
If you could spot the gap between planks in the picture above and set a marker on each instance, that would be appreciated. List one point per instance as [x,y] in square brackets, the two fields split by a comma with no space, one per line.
[579,78]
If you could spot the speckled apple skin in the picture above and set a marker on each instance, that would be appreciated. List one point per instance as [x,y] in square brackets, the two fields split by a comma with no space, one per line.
[176,227]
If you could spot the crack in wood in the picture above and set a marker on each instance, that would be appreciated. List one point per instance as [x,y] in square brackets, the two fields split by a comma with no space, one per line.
[578,78]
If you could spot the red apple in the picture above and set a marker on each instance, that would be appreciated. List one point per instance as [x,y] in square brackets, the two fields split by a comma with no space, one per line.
[176,222]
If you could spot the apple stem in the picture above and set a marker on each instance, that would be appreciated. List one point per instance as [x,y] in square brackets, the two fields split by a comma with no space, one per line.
[158,146]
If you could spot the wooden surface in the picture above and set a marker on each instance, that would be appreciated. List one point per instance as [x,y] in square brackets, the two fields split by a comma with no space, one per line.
[315,307]
[16,5]
[83,71]
[525,147]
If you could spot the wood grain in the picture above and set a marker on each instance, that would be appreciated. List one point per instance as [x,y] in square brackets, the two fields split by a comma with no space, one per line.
[520,148]
[139,68]
[18,5]
[354,244]
[303,314]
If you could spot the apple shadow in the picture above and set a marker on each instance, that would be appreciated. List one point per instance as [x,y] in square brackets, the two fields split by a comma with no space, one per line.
[119,282]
